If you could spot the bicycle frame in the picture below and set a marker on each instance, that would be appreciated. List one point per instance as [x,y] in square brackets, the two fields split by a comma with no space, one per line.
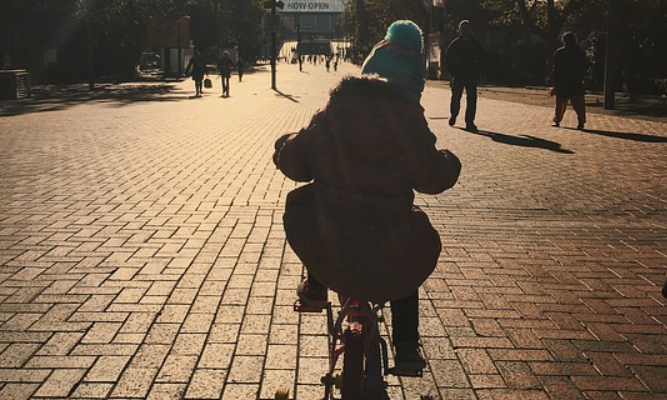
[364,351]
[355,339]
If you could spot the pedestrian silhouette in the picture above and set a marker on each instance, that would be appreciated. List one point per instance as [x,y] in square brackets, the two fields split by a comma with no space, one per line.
[197,69]
[240,67]
[225,66]
[463,60]
[568,75]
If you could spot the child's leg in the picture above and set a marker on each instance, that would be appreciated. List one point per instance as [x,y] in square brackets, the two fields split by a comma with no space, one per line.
[405,320]
[313,281]
[405,327]
[312,292]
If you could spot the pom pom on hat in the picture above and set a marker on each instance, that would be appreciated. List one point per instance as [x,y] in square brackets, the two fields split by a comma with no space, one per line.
[399,57]
[407,34]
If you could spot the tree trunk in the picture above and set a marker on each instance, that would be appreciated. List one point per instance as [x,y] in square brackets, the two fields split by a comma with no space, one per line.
[611,56]
[552,40]
[90,45]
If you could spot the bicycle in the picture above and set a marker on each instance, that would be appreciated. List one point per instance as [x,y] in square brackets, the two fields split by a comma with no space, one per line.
[354,336]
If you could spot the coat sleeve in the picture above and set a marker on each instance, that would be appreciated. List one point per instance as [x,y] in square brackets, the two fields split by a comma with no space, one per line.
[480,57]
[433,171]
[450,56]
[187,69]
[292,152]
[556,74]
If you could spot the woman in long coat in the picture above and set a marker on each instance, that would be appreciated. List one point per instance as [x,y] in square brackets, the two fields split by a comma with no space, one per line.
[197,69]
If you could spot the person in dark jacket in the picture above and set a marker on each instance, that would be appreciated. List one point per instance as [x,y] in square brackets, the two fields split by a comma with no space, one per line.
[197,69]
[225,65]
[240,68]
[354,225]
[463,60]
[568,75]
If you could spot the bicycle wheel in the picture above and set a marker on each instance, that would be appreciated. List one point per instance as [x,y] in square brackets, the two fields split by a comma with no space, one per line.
[353,365]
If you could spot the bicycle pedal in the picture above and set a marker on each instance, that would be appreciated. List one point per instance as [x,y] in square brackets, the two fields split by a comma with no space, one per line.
[405,372]
[300,307]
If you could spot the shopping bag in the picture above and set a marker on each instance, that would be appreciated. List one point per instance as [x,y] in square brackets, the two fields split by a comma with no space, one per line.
[207,83]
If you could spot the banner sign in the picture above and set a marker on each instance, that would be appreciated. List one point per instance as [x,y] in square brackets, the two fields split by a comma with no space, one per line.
[167,33]
[314,6]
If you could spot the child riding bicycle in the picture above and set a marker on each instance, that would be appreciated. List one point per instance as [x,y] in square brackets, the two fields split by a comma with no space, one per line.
[354,226]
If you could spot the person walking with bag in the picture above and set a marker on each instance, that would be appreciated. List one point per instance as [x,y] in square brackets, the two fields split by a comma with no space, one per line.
[197,69]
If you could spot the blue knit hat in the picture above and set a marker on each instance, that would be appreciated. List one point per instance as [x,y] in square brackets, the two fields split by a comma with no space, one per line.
[399,57]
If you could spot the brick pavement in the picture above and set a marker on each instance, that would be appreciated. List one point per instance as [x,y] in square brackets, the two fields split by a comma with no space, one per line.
[142,254]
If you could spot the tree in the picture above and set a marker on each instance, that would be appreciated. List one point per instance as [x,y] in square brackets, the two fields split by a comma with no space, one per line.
[369,19]
[643,46]
[544,18]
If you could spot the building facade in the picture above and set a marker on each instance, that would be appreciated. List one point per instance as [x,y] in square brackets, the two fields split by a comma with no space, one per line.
[312,23]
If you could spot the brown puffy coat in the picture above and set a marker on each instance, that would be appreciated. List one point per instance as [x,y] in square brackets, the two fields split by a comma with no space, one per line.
[354,226]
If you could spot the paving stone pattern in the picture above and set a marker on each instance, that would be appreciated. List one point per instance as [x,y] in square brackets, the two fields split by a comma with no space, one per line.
[142,254]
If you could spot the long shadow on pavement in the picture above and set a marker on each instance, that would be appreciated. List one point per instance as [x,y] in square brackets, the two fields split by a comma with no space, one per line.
[637,137]
[55,98]
[287,96]
[523,140]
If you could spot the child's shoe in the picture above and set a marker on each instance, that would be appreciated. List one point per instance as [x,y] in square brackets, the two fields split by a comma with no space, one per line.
[312,295]
[409,357]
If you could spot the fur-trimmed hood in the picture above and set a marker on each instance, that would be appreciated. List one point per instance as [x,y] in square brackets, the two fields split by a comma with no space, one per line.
[355,227]
[373,118]
[373,87]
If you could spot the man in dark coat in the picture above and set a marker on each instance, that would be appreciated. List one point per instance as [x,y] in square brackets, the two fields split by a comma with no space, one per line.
[464,59]
[568,75]
[355,227]
[225,65]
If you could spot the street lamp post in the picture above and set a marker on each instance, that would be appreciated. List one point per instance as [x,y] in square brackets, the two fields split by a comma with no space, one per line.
[443,33]
[272,5]
[298,42]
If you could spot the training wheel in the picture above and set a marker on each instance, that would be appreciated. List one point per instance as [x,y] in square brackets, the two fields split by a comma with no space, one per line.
[282,394]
